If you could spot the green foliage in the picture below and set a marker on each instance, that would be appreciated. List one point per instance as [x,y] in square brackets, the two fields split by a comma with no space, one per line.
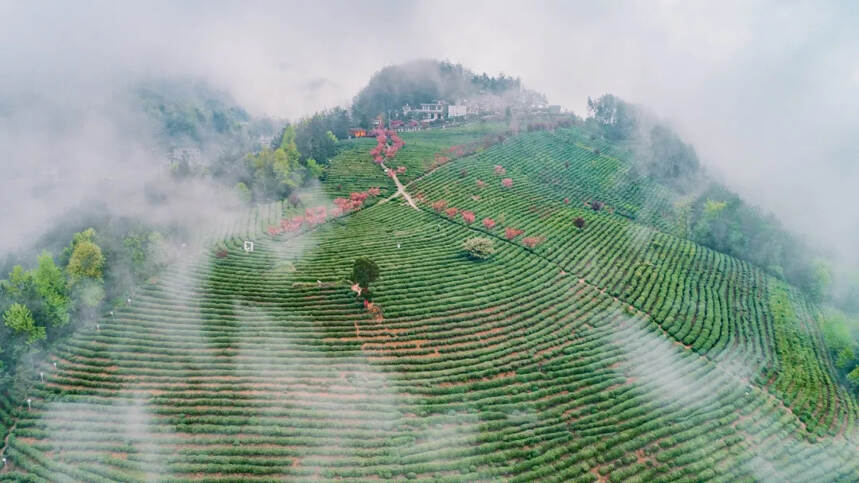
[52,288]
[277,172]
[479,248]
[19,318]
[316,136]
[364,272]
[86,261]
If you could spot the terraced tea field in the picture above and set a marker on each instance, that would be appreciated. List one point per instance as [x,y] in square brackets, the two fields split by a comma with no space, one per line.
[609,353]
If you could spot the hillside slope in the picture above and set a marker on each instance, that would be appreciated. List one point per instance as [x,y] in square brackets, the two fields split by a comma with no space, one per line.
[613,352]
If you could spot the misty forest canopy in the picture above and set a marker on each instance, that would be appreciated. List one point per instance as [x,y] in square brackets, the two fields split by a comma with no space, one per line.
[430,80]
[46,298]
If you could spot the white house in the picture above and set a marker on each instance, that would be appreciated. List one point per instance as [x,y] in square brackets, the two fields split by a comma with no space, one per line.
[457,110]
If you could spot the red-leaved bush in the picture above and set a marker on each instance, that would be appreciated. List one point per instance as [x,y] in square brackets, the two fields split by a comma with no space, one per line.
[507,183]
[451,212]
[532,241]
[489,223]
[401,169]
[499,170]
[439,205]
[511,233]
[374,191]
[468,216]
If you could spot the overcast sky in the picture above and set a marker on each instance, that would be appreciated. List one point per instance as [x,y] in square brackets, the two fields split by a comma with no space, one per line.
[767,91]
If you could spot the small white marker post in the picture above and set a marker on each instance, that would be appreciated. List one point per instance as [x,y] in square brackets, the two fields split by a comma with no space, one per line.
[42,377]
[398,245]
[97,327]
[4,461]
[129,300]
[55,365]
[248,246]
[29,404]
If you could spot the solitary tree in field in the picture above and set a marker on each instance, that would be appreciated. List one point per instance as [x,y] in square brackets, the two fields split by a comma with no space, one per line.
[364,272]
[579,222]
[478,248]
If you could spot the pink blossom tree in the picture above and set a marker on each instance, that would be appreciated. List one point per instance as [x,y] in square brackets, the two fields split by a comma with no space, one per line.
[511,233]
[532,241]
[468,216]
[507,182]
[489,223]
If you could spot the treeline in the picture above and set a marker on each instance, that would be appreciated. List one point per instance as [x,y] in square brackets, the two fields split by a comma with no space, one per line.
[708,212]
[48,301]
[296,158]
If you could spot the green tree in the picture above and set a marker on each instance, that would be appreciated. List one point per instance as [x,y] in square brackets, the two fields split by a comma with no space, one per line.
[86,261]
[853,376]
[364,272]
[86,268]
[479,248]
[53,290]
[19,318]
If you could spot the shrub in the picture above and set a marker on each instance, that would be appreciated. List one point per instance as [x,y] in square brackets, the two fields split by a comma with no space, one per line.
[532,241]
[479,248]
[439,205]
[597,205]
[507,182]
[451,212]
[468,216]
[480,184]
[499,170]
[489,223]
[511,233]
[579,222]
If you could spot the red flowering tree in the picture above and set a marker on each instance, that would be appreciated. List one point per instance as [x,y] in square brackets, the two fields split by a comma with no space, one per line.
[401,169]
[499,170]
[511,233]
[489,223]
[439,205]
[532,241]
[480,184]
[374,191]
[451,212]
[468,216]
[507,183]
[567,201]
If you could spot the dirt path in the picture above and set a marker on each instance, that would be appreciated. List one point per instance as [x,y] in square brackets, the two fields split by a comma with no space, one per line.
[401,190]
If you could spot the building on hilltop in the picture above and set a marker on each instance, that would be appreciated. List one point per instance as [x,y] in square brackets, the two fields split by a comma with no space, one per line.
[429,111]
[457,110]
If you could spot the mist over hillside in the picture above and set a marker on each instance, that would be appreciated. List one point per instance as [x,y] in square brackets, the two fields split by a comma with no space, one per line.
[437,241]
